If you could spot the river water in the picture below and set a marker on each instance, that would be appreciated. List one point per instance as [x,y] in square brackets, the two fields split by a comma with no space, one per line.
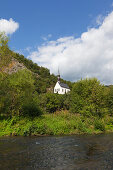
[57,153]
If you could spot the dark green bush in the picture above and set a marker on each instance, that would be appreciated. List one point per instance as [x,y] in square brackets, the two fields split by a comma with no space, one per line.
[99,125]
[30,107]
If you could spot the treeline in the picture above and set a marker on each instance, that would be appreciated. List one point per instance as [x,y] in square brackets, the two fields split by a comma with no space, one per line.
[19,96]
[88,97]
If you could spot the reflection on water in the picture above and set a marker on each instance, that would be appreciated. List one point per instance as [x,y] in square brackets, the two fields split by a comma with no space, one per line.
[57,153]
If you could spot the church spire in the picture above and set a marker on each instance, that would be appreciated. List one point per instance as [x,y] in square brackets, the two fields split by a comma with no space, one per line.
[58,76]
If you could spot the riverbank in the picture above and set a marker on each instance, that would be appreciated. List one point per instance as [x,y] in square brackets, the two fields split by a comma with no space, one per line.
[62,123]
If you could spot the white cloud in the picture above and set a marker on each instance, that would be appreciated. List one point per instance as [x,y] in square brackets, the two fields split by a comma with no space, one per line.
[45,38]
[91,55]
[28,49]
[8,26]
[100,19]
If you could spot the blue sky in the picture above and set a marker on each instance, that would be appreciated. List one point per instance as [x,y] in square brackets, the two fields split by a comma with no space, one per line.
[60,18]
[43,22]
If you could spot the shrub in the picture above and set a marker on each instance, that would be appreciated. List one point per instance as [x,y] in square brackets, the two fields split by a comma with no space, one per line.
[81,126]
[31,108]
[99,125]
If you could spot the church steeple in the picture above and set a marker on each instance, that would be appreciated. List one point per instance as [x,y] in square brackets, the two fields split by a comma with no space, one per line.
[60,87]
[58,76]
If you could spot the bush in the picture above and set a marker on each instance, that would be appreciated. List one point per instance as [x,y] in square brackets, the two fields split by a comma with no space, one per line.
[31,108]
[99,125]
[81,126]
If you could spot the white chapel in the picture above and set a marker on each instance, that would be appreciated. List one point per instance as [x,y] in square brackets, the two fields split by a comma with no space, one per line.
[61,88]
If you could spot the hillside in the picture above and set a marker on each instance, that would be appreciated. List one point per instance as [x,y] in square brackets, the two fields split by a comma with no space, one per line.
[13,62]
[44,80]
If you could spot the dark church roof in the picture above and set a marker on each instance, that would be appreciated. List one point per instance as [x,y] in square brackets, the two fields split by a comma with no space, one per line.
[64,85]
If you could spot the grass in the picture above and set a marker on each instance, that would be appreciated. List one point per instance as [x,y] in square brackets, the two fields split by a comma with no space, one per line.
[62,123]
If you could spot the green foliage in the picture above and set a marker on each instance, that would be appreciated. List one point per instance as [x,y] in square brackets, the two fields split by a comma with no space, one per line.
[99,125]
[17,94]
[5,53]
[81,126]
[44,72]
[51,102]
[30,106]
[54,124]
[42,76]
[3,40]
[109,99]
[87,98]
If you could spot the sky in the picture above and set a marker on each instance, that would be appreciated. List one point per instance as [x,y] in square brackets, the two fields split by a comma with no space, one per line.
[75,36]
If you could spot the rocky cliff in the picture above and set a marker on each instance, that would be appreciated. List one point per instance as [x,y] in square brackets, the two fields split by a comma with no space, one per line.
[13,66]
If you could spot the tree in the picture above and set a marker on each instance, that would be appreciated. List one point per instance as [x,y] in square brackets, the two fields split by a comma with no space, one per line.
[18,95]
[3,40]
[87,98]
[5,53]
[109,99]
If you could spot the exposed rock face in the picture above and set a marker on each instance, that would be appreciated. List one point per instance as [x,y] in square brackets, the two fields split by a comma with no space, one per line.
[13,67]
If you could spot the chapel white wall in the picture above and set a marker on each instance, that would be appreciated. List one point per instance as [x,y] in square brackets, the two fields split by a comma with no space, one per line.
[60,90]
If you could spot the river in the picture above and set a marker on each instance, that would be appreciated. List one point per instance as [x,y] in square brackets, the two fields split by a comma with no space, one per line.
[79,152]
